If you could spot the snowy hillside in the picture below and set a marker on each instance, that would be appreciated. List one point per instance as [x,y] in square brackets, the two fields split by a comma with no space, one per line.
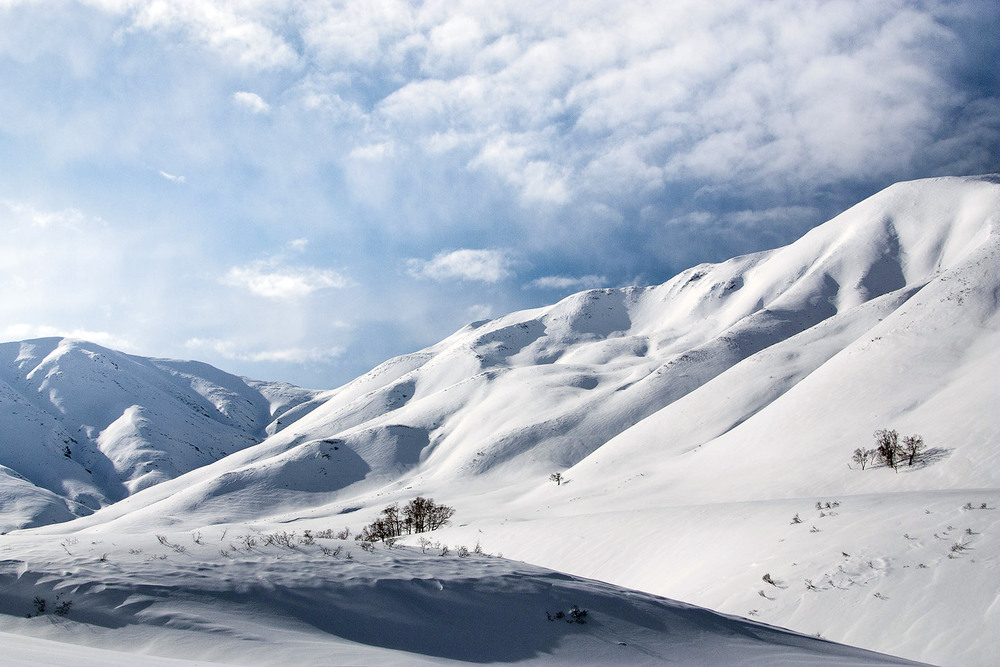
[84,426]
[704,429]
[224,594]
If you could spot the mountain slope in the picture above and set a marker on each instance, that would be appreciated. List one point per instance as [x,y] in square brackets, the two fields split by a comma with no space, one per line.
[891,308]
[692,421]
[87,426]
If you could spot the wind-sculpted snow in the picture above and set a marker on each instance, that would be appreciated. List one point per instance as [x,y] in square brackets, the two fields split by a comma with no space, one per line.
[230,594]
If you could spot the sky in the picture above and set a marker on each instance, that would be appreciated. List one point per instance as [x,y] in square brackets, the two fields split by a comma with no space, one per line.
[300,190]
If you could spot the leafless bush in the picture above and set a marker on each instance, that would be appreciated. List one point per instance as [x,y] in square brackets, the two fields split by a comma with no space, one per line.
[463,551]
[163,540]
[285,539]
[249,541]
[367,546]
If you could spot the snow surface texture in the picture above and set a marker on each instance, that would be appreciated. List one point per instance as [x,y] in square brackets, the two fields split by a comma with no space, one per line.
[693,422]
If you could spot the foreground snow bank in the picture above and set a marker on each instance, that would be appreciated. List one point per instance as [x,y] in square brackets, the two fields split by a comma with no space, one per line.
[235,596]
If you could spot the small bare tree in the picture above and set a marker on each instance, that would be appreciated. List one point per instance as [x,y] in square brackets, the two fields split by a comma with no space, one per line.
[887,447]
[913,445]
[556,477]
[863,456]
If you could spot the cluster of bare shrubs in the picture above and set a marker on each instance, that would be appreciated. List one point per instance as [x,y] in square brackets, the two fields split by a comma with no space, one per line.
[420,515]
[889,450]
[575,615]
[61,608]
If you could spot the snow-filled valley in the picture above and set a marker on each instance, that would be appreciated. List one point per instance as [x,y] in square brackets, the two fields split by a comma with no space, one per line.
[703,431]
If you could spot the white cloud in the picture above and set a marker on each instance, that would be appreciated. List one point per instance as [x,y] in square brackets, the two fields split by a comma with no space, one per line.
[270,280]
[537,179]
[24,331]
[252,102]
[479,311]
[567,282]
[374,152]
[172,177]
[294,355]
[24,213]
[486,266]
[239,30]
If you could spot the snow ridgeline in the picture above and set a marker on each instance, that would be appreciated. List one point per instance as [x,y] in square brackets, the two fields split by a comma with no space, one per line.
[691,422]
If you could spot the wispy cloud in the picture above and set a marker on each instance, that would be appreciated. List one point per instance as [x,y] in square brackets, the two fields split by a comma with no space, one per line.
[294,355]
[273,281]
[567,282]
[25,213]
[172,177]
[23,331]
[486,266]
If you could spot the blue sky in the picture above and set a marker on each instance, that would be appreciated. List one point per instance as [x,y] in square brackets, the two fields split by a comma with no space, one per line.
[300,190]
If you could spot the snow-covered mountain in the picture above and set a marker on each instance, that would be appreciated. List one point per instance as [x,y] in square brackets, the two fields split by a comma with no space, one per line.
[704,429]
[84,426]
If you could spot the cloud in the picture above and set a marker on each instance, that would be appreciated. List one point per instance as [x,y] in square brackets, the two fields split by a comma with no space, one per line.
[172,177]
[594,141]
[252,102]
[290,355]
[24,331]
[567,282]
[239,31]
[25,213]
[486,266]
[269,280]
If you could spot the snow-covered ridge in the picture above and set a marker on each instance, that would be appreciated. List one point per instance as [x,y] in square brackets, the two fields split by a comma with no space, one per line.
[691,420]
[591,378]
[87,426]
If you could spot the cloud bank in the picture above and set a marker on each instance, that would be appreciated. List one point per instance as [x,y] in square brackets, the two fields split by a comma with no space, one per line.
[453,159]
